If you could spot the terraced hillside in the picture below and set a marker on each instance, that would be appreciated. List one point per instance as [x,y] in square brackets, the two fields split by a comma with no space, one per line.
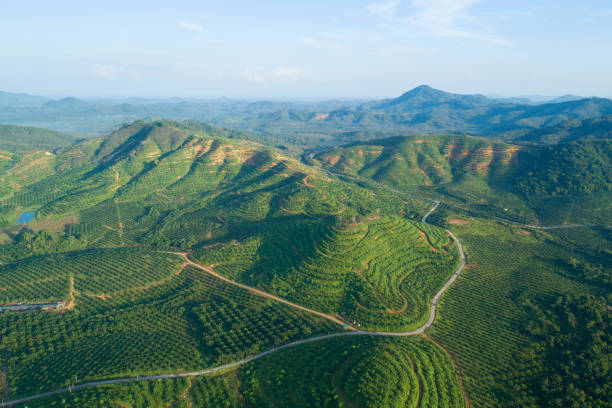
[119,219]
[177,250]
[410,161]
[531,184]
[369,372]
[379,272]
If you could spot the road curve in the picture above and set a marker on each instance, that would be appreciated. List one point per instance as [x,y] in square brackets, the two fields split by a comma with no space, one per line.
[351,330]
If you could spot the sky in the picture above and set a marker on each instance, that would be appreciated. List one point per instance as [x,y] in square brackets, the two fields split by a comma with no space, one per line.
[304,49]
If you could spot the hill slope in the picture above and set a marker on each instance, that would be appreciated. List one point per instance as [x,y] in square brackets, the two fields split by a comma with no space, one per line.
[595,128]
[22,138]
[521,182]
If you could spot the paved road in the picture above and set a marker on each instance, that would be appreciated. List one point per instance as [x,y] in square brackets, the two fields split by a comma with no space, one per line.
[31,306]
[351,332]
[424,219]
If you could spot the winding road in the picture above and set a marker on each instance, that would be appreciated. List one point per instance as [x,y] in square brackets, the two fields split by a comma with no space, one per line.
[351,331]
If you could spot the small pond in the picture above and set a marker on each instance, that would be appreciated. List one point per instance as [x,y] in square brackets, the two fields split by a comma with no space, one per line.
[27,216]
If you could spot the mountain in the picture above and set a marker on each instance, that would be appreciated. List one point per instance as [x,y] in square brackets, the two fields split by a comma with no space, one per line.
[165,243]
[22,138]
[565,98]
[418,111]
[425,96]
[422,110]
[68,104]
[8,99]
[502,179]
[406,161]
[595,128]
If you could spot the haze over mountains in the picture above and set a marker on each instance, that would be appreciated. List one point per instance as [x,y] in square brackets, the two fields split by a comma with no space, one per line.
[420,110]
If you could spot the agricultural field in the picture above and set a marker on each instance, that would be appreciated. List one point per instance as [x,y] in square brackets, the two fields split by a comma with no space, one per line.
[175,249]
[340,372]
[183,323]
[487,320]
[379,272]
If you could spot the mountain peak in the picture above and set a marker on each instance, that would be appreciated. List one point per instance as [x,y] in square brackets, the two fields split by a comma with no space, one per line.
[423,90]
[424,96]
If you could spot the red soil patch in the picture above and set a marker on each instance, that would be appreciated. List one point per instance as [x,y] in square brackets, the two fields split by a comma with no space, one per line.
[72,303]
[250,161]
[57,225]
[524,232]
[458,221]
[102,297]
[321,116]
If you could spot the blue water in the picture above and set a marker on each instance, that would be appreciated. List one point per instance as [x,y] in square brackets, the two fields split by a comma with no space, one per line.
[27,216]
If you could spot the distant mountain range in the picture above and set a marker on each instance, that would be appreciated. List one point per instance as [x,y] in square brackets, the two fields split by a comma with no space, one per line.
[422,110]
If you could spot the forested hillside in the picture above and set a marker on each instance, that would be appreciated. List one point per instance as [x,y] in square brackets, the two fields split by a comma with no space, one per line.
[510,181]
[595,128]
[23,139]
[172,247]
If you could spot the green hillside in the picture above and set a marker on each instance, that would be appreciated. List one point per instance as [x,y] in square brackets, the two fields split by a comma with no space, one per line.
[577,168]
[177,246]
[532,184]
[377,271]
[370,372]
[595,128]
[412,161]
[20,139]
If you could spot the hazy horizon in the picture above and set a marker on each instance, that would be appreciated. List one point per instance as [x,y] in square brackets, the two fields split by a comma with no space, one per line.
[278,50]
[263,98]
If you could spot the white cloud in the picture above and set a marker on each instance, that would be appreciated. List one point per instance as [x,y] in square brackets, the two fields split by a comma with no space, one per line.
[188,25]
[444,18]
[383,9]
[284,71]
[252,76]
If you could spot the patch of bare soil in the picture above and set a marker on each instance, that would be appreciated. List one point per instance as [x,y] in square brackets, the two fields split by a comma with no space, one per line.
[72,303]
[57,225]
[524,232]
[426,239]
[103,296]
[458,221]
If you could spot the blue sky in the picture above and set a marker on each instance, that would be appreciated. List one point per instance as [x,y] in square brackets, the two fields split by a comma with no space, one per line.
[304,49]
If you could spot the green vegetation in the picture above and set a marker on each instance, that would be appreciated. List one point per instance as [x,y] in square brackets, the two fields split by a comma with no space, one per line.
[488,316]
[569,169]
[361,372]
[184,322]
[342,372]
[569,360]
[576,129]
[377,271]
[549,184]
[19,139]
[109,213]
